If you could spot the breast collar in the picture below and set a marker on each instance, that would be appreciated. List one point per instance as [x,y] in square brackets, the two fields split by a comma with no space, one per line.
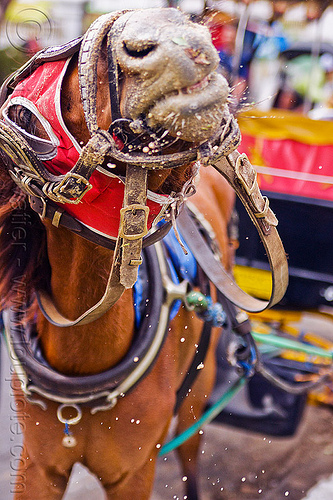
[100,207]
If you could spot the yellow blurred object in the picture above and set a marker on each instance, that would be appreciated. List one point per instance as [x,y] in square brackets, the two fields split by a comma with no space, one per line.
[23,12]
[256,282]
[284,124]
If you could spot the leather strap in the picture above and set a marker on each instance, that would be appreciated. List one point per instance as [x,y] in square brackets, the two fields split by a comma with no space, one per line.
[133,223]
[113,291]
[47,209]
[240,174]
[126,257]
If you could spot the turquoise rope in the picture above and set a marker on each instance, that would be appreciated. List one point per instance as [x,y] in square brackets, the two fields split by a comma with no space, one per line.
[289,344]
[207,417]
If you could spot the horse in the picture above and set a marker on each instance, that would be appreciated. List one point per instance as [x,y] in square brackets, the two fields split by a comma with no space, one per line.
[140,88]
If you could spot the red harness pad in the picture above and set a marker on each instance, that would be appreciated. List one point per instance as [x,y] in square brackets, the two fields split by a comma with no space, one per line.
[100,207]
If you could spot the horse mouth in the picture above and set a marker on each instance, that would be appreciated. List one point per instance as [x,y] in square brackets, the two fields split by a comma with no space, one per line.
[201,85]
[193,113]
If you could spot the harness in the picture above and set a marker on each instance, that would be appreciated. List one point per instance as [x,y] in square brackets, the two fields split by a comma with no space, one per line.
[58,194]
[165,280]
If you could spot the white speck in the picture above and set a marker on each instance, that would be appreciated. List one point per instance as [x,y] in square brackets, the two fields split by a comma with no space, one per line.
[182,339]
[200,366]
[243,479]
[286,493]
[137,421]
[136,359]
[158,445]
[132,420]
[184,478]
[37,423]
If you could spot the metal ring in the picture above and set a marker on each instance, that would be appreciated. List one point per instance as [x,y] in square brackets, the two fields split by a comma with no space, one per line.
[71,421]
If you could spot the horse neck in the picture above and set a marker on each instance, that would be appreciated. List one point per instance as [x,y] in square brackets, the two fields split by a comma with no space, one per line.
[79,271]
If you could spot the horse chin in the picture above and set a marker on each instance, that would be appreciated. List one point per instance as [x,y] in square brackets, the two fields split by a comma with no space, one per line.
[193,114]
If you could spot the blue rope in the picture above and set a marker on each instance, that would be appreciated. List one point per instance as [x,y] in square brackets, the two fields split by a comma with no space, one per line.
[214,313]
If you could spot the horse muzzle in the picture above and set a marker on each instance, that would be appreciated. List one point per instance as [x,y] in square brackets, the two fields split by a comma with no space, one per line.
[170,74]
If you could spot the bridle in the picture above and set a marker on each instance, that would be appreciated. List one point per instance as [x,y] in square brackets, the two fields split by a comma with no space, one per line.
[35,179]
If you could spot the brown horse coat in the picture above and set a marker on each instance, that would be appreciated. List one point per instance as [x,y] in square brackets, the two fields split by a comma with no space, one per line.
[119,445]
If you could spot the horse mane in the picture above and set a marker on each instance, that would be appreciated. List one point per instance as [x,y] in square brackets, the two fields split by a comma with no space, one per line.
[24,264]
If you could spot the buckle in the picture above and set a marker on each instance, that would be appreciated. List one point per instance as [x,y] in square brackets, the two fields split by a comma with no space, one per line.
[131,208]
[70,189]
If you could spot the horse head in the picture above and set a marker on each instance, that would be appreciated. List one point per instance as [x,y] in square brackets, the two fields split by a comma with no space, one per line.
[145,84]
[165,93]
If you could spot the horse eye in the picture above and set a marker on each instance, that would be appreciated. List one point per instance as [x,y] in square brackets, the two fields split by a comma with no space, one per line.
[139,49]
[20,115]
[24,117]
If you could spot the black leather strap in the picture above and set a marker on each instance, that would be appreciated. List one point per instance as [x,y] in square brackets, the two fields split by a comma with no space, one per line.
[47,209]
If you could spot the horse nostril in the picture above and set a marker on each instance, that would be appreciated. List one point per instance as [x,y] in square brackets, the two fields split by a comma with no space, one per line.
[139,48]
